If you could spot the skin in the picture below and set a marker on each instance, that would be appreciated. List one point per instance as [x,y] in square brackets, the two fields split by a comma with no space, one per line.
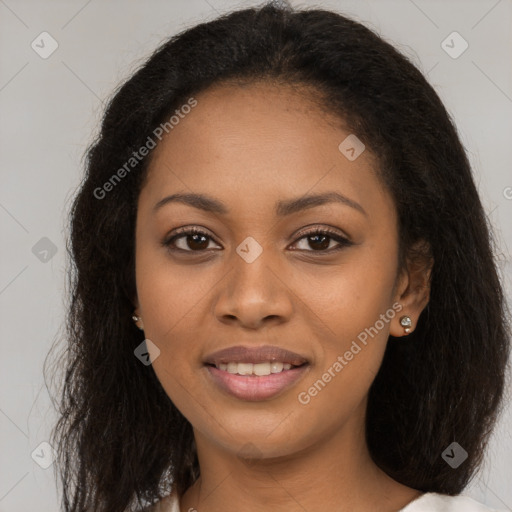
[250,147]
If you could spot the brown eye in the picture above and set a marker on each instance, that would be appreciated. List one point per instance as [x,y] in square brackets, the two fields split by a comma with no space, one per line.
[196,242]
[319,240]
[190,240]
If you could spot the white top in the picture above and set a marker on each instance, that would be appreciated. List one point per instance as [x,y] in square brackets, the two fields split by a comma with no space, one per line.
[433,502]
[429,502]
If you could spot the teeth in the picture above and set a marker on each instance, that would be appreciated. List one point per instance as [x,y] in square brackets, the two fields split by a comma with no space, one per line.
[245,368]
[276,366]
[259,369]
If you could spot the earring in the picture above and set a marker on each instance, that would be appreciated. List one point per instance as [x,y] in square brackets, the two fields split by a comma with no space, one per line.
[136,319]
[406,323]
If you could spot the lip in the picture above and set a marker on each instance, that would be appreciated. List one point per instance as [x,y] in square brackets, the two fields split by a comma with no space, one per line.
[262,354]
[251,387]
[254,388]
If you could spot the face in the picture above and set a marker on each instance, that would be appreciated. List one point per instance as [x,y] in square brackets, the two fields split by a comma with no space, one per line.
[257,261]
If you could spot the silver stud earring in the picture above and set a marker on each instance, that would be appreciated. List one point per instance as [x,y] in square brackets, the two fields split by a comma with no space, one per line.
[136,319]
[406,323]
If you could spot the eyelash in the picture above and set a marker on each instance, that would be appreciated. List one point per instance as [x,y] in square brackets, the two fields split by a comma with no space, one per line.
[184,232]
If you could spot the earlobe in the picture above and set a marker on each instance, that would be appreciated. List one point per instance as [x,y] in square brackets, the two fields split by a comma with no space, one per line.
[136,315]
[138,321]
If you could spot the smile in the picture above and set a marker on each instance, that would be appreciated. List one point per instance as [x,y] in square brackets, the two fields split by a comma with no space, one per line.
[253,387]
[255,373]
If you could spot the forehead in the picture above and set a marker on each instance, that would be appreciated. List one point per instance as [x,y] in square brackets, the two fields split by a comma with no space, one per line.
[259,141]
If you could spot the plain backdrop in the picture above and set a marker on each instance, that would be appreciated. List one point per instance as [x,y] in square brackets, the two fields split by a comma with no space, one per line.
[50,109]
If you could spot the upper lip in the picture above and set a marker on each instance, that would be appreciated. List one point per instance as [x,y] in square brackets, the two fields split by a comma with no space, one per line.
[242,354]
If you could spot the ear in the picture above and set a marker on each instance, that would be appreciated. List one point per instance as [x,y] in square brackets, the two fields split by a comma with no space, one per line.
[136,305]
[413,287]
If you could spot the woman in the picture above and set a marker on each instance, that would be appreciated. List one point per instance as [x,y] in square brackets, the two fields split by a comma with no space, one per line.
[284,292]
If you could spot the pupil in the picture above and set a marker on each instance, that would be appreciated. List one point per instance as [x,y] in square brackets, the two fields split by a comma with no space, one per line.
[324,243]
[201,245]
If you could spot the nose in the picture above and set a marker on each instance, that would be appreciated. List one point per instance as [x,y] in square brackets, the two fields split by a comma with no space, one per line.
[254,295]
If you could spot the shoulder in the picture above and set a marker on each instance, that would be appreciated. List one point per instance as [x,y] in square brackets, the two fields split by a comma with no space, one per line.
[168,504]
[434,502]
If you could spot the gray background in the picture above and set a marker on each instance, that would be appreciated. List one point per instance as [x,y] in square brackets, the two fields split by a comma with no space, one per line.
[50,109]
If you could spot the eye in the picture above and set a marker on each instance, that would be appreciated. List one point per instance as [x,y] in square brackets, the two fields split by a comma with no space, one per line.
[195,240]
[188,240]
[320,240]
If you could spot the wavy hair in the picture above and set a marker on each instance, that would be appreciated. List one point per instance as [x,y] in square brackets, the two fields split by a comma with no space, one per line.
[121,443]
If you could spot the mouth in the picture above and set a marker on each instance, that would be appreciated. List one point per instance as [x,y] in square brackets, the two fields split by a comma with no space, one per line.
[255,373]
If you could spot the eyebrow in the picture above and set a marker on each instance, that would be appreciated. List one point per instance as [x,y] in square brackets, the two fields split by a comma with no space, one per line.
[283,208]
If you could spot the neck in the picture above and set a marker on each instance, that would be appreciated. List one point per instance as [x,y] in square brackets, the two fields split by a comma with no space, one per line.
[337,473]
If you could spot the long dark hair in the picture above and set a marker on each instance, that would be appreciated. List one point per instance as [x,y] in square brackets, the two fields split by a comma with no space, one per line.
[120,440]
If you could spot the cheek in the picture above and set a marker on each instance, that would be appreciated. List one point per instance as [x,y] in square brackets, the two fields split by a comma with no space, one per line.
[173,303]
[350,298]
[353,305]
[170,294]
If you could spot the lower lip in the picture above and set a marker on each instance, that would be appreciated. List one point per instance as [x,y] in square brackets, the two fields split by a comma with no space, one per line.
[253,388]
